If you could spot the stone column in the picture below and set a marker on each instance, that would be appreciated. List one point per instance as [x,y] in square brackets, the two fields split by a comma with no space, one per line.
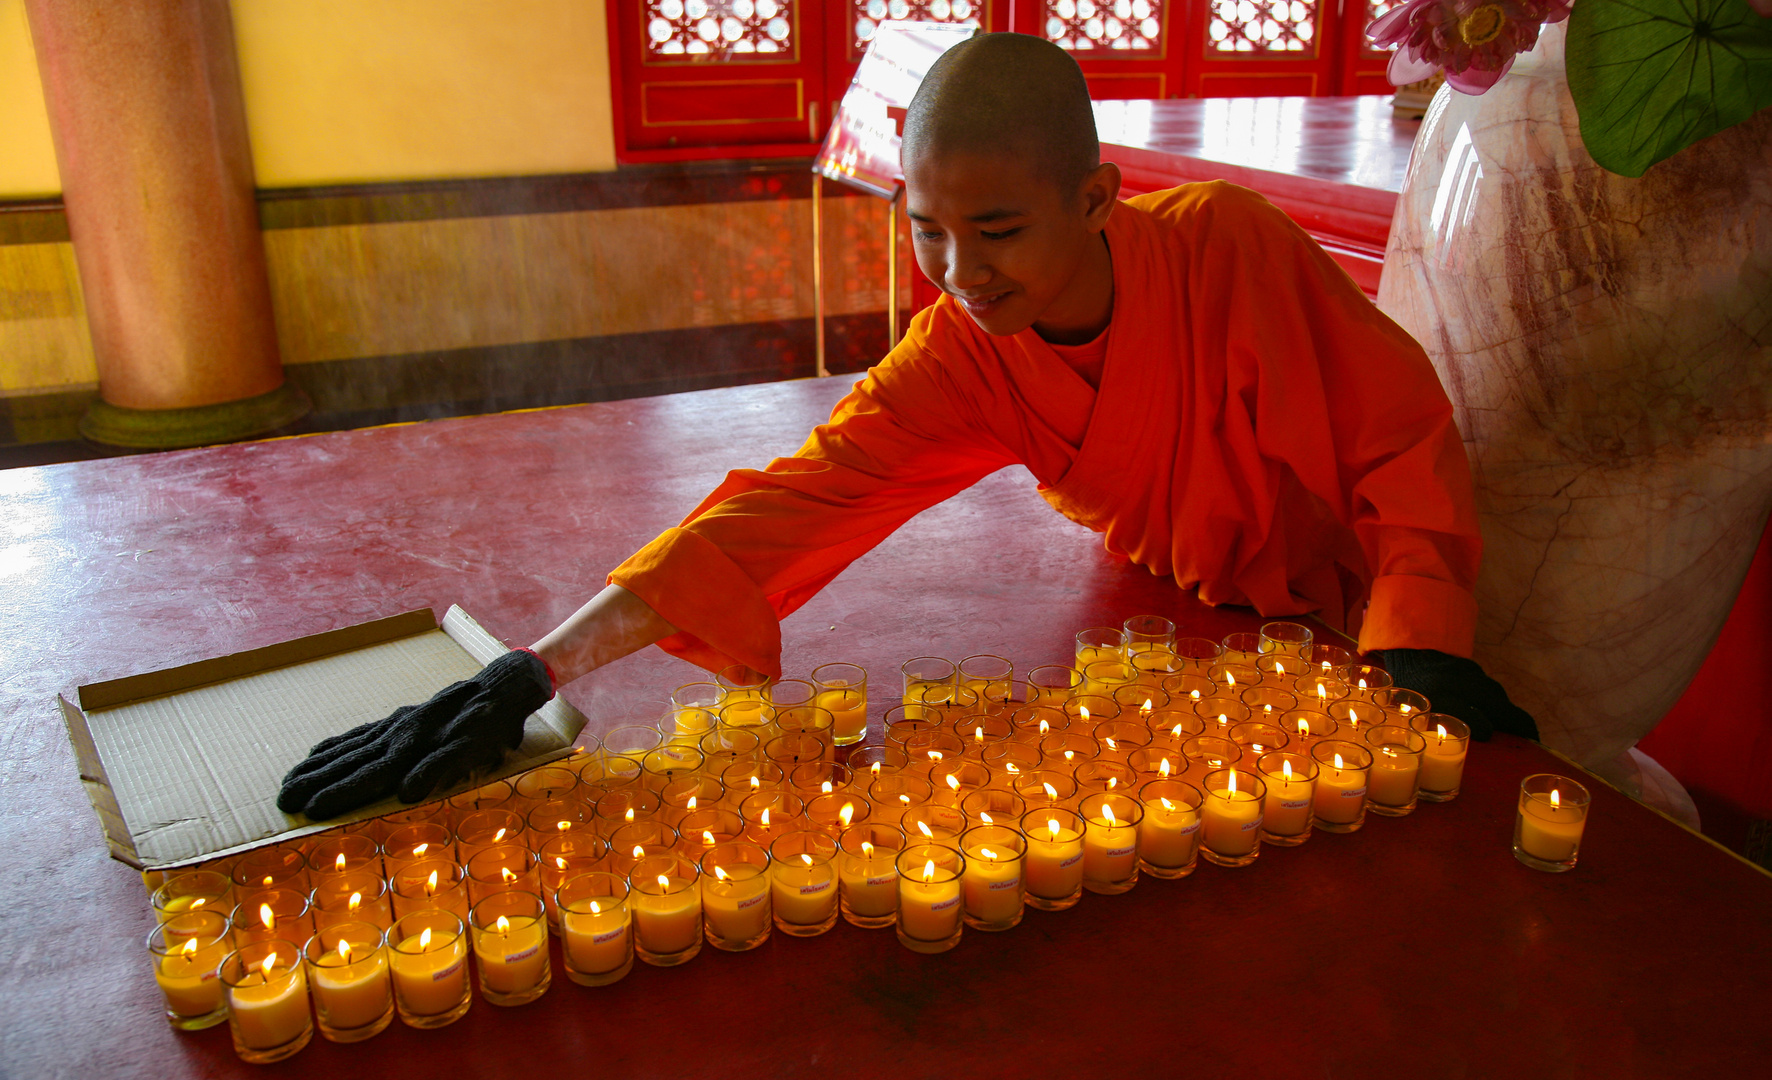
[150,134]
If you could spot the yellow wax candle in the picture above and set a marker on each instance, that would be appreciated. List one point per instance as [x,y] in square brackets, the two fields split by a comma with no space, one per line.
[512,954]
[430,972]
[928,909]
[1054,860]
[597,941]
[691,724]
[1550,830]
[1341,793]
[670,923]
[1169,833]
[1232,821]
[273,1012]
[1089,654]
[1110,847]
[187,978]
[804,890]
[1393,777]
[736,903]
[849,712]
[351,993]
[1287,809]
[869,883]
[1442,764]
[992,884]
[178,905]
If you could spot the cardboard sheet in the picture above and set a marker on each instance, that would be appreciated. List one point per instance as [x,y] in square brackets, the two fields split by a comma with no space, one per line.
[183,765]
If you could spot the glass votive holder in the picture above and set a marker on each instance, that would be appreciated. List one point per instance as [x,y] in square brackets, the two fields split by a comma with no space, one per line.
[735,888]
[741,682]
[867,876]
[1143,632]
[1305,726]
[902,723]
[1051,684]
[1187,688]
[1046,786]
[1354,717]
[840,676]
[923,673]
[1241,647]
[487,796]
[1009,758]
[1342,775]
[1268,703]
[1326,658]
[771,813]
[725,746]
[432,811]
[1212,752]
[848,708]
[485,828]
[1317,690]
[273,867]
[1197,654]
[543,783]
[639,839]
[596,927]
[1395,778]
[1551,818]
[1066,750]
[553,817]
[810,779]
[933,821]
[790,693]
[751,714]
[623,806]
[894,793]
[702,828]
[696,708]
[927,749]
[1110,841]
[1220,714]
[1363,680]
[954,780]
[1053,872]
[416,841]
[946,704]
[1098,643]
[186,949]
[980,732]
[1164,762]
[930,897]
[1291,781]
[1280,670]
[567,856]
[1119,738]
[992,882]
[1104,776]
[1290,638]
[1085,710]
[348,977]
[793,748]
[803,882]
[993,806]
[266,991]
[1230,833]
[670,762]
[1169,835]
[869,763]
[991,675]
[746,778]
[1400,704]
[510,939]
[355,895]
[1230,678]
[1442,762]
[428,961]
[1032,723]
[1138,701]
[836,811]
[1172,728]
[502,868]
[343,852]
[1257,738]
[193,890]
[271,914]
[1103,677]
[687,794]
[430,885]
[631,741]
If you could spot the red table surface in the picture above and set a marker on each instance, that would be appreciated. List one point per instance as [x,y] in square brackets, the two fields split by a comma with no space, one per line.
[1417,947]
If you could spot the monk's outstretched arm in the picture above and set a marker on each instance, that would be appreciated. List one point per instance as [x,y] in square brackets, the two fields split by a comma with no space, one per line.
[611,625]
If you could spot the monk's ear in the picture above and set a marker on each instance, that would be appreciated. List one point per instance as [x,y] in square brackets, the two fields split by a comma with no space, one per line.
[1100,190]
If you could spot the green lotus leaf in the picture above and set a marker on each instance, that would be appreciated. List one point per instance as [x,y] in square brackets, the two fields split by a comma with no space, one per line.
[1652,77]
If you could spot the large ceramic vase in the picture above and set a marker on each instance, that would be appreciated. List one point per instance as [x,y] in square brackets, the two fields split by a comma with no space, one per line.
[1606,344]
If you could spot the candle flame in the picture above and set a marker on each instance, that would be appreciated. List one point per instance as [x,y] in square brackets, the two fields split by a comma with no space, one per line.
[190,947]
[268,964]
[1176,731]
[1388,752]
[1233,787]
[267,916]
[987,853]
[354,902]
[1051,792]
[805,858]
[978,734]
[1322,692]
[1111,744]
[499,836]
[719,873]
[1113,782]
[1556,799]
[338,864]
[344,951]
[924,829]
[1108,813]
[1052,828]
[867,850]
[1167,805]
[986,818]
[824,788]
[875,769]
[764,820]
[640,852]
[1230,678]
[756,783]
[1442,730]
[664,883]
[707,838]
[564,825]
[559,862]
[267,881]
[1084,709]
[936,755]
[424,939]
[505,873]
[952,781]
[692,804]
[1255,747]
[929,870]
[1362,682]
[1011,768]
[904,800]
[1286,769]
[1223,720]
[1045,726]
[431,884]
[1145,709]
[1304,728]
[1163,767]
[596,909]
[1338,765]
[844,815]
[418,850]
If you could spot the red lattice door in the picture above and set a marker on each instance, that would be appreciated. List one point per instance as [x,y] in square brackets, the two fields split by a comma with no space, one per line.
[1125,47]
[1362,64]
[1264,48]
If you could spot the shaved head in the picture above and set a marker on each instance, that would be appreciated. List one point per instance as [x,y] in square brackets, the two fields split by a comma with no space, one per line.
[1008,95]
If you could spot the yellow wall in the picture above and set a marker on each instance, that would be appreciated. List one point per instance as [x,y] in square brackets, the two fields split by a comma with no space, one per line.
[350,91]
[27,157]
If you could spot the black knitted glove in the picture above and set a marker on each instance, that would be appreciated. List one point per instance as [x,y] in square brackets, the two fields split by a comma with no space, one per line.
[1460,687]
[466,727]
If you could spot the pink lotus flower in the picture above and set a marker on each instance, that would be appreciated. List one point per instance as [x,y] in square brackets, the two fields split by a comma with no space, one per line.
[1473,41]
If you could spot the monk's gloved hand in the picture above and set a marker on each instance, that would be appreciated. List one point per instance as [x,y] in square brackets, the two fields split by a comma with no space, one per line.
[466,726]
[1455,685]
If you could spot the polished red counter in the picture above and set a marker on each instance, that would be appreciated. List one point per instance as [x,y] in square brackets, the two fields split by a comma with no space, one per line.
[1417,947]
[1334,164]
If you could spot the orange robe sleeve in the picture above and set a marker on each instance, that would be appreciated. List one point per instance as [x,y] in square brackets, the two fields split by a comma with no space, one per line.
[765,541]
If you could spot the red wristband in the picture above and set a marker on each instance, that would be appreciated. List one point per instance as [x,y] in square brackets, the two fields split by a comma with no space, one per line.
[553,683]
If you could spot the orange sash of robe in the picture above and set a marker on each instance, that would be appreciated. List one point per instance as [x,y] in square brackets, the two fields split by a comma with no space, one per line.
[1262,432]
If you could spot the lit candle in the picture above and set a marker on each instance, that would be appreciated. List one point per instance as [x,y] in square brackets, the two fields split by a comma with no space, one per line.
[1110,842]
[1054,876]
[929,897]
[1340,801]
[992,878]
[1551,819]
[1396,769]
[1168,838]
[429,964]
[350,982]
[1231,826]
[267,997]
[667,910]
[511,947]
[596,928]
[867,879]
[735,895]
[1442,763]
[187,949]
[1291,781]
[849,712]
[803,883]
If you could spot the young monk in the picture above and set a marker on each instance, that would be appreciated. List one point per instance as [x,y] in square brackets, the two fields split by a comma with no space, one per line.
[1186,373]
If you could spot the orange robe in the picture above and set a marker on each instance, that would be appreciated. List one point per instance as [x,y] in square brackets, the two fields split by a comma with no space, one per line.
[1262,431]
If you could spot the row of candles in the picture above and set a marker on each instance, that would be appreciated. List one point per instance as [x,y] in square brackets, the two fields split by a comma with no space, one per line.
[724,815]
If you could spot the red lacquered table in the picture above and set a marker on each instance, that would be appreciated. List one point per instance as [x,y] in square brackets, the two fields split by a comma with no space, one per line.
[1334,164]
[1417,947]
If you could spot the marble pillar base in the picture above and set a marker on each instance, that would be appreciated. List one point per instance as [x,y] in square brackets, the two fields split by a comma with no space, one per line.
[202,425]
[1605,342]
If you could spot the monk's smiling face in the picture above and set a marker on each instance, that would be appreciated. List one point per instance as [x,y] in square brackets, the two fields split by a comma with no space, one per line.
[1016,246]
